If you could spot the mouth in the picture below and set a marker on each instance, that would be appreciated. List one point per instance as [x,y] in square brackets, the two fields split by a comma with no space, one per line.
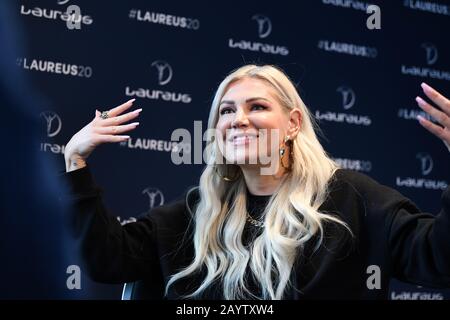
[243,139]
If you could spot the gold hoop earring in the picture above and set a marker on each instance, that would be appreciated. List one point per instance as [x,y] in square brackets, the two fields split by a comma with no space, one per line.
[226,177]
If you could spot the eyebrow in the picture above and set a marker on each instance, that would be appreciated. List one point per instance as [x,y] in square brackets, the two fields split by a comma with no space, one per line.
[248,100]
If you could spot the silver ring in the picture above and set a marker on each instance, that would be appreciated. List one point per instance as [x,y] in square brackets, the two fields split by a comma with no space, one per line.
[104,115]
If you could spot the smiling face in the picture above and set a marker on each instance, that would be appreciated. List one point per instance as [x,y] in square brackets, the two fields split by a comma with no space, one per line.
[251,117]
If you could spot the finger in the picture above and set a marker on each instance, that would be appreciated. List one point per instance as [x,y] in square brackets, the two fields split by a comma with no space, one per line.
[114,121]
[119,109]
[438,115]
[110,138]
[116,129]
[97,113]
[438,131]
[437,98]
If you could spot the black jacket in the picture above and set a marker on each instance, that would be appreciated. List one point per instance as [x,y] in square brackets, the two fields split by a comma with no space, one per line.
[389,232]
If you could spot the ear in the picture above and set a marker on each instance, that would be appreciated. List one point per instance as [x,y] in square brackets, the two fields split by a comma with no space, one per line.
[295,122]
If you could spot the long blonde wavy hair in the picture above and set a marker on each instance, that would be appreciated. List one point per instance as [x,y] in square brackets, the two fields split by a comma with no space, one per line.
[291,217]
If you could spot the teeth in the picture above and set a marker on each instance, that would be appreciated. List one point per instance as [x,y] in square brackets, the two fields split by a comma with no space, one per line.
[251,136]
[244,137]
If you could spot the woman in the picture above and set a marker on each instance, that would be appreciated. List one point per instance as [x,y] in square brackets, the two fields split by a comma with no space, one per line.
[308,229]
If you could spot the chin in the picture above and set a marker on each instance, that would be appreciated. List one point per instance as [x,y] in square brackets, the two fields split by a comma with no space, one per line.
[241,159]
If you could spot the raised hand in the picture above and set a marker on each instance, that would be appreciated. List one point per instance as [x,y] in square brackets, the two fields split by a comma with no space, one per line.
[441,115]
[99,131]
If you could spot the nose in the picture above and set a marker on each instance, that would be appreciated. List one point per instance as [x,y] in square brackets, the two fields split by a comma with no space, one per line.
[240,119]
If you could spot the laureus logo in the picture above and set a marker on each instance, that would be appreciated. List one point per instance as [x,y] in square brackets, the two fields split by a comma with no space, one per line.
[164,71]
[348,100]
[426,166]
[429,71]
[431,53]
[264,29]
[71,16]
[264,25]
[53,123]
[426,162]
[348,96]
[155,197]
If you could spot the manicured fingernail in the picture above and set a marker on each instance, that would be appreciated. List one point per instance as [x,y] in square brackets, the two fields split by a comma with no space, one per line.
[425,86]
[419,100]
[420,118]
[135,123]
[132,100]
[138,110]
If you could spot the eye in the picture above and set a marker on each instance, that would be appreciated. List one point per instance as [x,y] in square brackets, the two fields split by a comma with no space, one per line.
[225,111]
[257,106]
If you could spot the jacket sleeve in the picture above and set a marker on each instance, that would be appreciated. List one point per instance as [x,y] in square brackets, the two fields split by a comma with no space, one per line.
[112,253]
[420,244]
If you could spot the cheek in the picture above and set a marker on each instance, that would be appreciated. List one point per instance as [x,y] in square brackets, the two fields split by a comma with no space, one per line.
[222,126]
[274,130]
[266,121]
